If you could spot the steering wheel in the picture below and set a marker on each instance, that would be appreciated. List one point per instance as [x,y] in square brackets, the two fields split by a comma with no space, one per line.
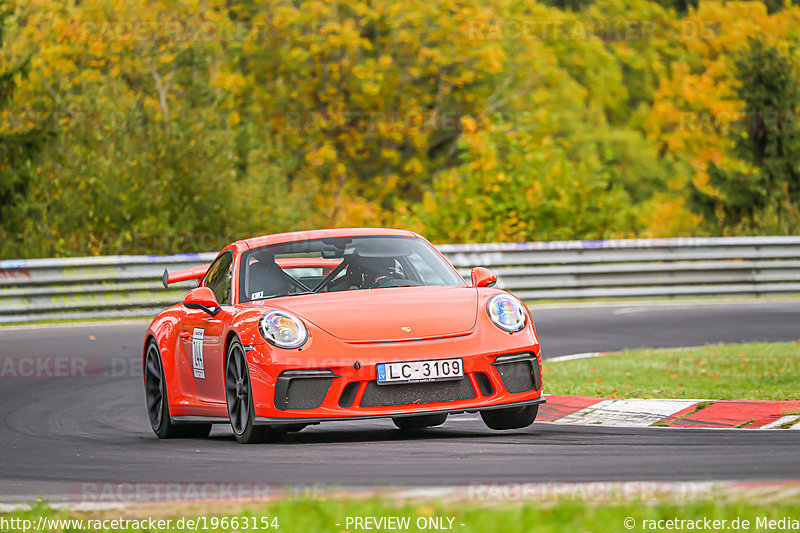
[386,280]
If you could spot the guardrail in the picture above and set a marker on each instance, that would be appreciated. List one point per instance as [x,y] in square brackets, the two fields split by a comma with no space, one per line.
[130,286]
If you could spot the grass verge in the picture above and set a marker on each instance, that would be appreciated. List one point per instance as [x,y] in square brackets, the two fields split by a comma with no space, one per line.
[331,515]
[757,371]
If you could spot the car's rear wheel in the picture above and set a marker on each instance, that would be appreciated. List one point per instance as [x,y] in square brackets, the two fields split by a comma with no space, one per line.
[238,394]
[155,390]
[510,417]
[420,421]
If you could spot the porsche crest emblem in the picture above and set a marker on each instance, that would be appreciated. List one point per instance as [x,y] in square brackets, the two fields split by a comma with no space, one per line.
[407,329]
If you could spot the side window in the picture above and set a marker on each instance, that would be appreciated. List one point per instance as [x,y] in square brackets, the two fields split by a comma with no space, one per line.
[218,278]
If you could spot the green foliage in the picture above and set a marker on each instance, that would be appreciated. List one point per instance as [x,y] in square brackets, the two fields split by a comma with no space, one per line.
[766,195]
[524,190]
[480,507]
[18,147]
[181,127]
[681,6]
[776,5]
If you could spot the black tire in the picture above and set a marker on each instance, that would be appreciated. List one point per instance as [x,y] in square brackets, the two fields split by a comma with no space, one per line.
[510,417]
[239,397]
[419,422]
[155,391]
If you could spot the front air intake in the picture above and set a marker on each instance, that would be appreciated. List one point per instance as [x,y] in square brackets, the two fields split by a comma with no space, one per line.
[416,393]
[519,372]
[302,389]
[484,383]
[349,394]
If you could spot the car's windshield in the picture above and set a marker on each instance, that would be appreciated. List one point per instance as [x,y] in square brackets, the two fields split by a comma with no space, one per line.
[341,264]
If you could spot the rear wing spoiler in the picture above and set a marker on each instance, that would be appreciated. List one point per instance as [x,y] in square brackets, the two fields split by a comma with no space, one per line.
[200,270]
[184,275]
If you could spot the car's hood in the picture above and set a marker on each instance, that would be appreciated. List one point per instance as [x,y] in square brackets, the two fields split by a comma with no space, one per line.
[392,314]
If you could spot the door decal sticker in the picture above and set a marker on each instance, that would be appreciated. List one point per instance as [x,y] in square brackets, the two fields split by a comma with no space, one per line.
[197,353]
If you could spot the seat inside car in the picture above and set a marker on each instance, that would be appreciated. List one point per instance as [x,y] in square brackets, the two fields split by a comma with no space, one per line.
[267,278]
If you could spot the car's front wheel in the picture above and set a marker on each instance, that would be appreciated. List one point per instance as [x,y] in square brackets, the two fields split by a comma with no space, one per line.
[510,417]
[155,391]
[419,422]
[238,393]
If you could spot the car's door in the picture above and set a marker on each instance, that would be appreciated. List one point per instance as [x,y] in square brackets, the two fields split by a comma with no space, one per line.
[201,334]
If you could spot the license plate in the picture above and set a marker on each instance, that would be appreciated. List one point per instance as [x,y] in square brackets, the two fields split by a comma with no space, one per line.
[420,371]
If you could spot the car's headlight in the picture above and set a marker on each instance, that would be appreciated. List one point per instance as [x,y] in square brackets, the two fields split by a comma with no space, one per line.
[507,312]
[283,329]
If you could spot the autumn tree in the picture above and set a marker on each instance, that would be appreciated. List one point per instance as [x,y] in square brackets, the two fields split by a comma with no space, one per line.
[765,194]
[179,126]
[19,143]
[142,157]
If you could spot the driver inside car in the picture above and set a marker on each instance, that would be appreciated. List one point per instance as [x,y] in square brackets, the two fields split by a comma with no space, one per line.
[367,273]
[379,271]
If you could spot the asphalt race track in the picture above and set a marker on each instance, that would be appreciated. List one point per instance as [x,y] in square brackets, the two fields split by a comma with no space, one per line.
[58,432]
[568,330]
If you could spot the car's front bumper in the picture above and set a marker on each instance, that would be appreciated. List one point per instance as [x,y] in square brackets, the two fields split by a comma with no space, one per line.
[262,420]
[305,388]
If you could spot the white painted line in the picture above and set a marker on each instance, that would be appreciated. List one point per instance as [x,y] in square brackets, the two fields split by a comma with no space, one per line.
[13,507]
[575,356]
[765,494]
[627,413]
[775,424]
[655,304]
[427,493]
[516,491]
[463,418]
[70,506]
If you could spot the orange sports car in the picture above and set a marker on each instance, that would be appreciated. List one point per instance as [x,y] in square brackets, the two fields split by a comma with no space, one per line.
[294,329]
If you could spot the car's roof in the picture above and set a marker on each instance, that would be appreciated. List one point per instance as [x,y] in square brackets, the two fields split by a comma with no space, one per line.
[279,238]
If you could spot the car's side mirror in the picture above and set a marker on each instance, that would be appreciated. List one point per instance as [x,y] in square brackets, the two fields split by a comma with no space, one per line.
[202,298]
[483,277]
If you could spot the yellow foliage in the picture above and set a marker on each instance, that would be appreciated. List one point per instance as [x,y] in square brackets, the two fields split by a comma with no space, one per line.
[434,115]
